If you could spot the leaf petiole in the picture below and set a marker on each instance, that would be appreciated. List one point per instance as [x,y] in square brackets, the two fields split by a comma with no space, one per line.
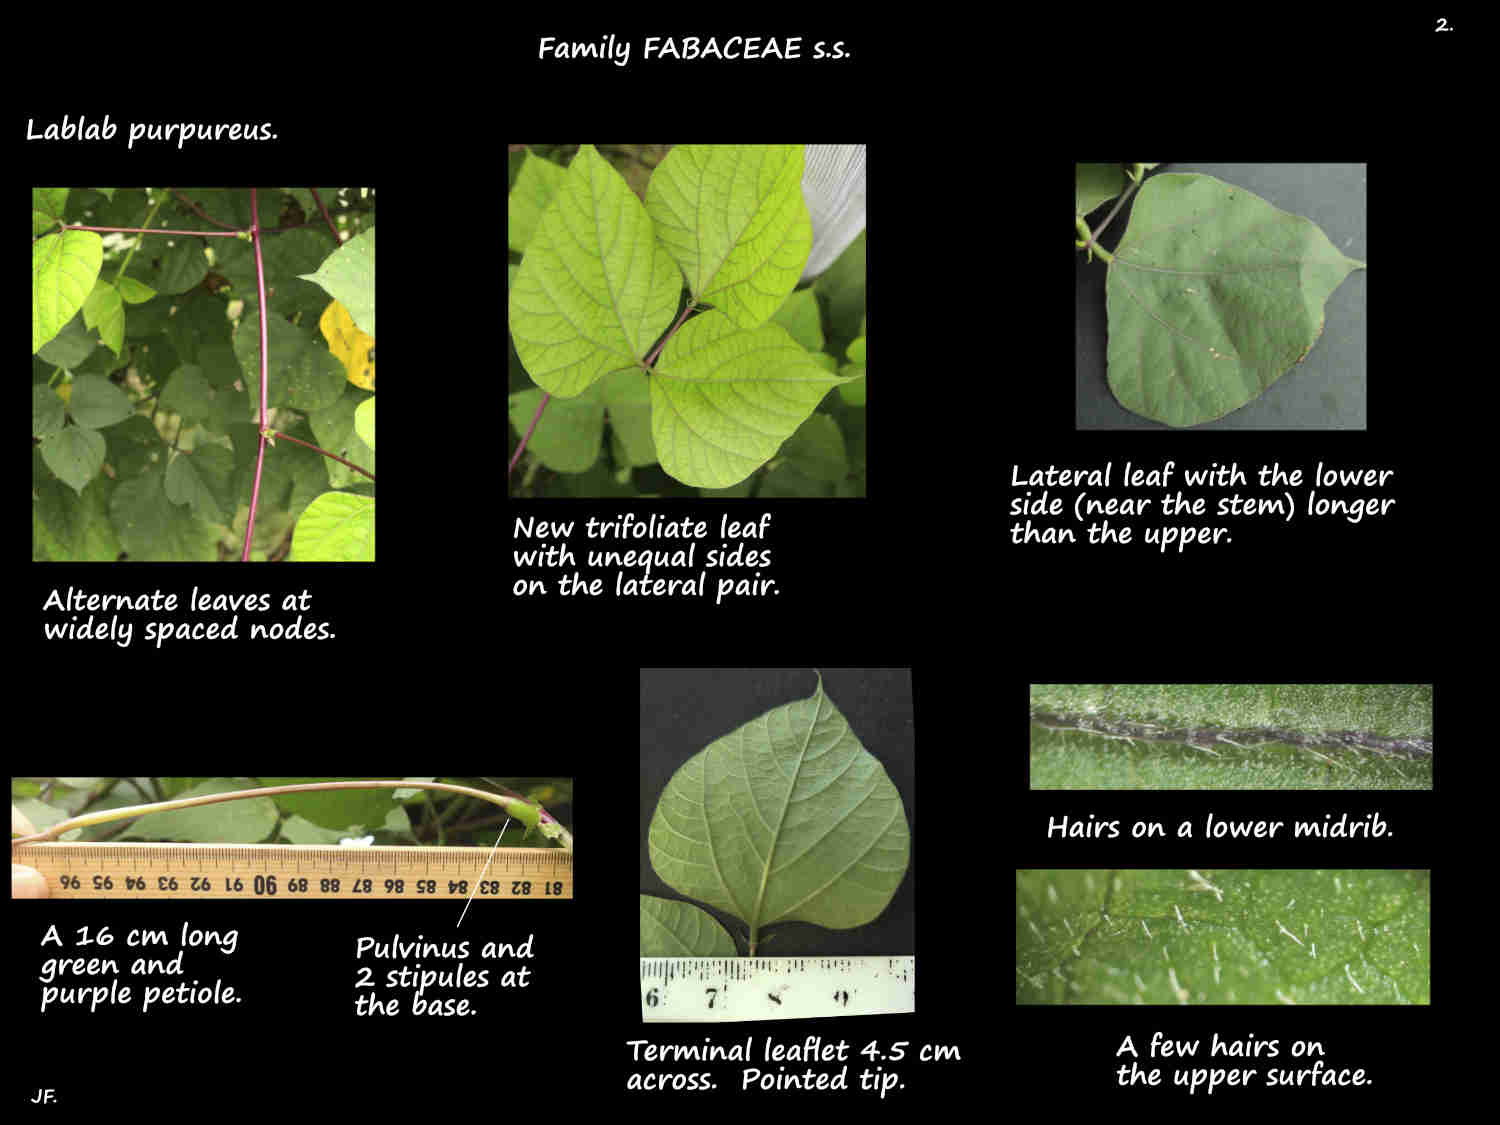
[524,811]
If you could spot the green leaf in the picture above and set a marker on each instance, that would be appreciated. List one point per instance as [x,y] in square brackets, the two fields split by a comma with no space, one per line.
[1097,184]
[595,290]
[627,400]
[1213,294]
[104,311]
[568,434]
[801,317]
[854,393]
[134,292]
[817,450]
[336,527]
[98,403]
[724,399]
[364,422]
[1232,936]
[64,268]
[734,219]
[1231,736]
[788,818]
[47,207]
[75,455]
[679,929]
[332,808]
[232,822]
[302,373]
[348,275]
[536,184]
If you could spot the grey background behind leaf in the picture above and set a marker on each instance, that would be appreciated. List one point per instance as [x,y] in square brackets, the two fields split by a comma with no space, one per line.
[685,709]
[1327,390]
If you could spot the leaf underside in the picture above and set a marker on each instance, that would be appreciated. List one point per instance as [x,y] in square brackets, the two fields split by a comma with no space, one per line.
[724,399]
[1213,295]
[788,818]
[1231,736]
[679,929]
[733,217]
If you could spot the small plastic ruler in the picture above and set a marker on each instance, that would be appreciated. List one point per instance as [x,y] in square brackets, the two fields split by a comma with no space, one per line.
[282,872]
[732,989]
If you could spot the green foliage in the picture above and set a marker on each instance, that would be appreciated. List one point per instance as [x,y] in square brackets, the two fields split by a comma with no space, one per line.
[1097,185]
[719,396]
[1223,937]
[1231,736]
[1212,294]
[788,818]
[146,376]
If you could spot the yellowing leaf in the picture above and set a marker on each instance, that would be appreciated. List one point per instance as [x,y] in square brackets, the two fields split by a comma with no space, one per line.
[350,346]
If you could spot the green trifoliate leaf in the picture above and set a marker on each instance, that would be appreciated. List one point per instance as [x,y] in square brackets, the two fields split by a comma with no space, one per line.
[1213,295]
[723,399]
[734,219]
[595,290]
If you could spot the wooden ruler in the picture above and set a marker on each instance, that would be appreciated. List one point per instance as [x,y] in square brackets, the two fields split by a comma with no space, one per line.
[290,872]
[734,989]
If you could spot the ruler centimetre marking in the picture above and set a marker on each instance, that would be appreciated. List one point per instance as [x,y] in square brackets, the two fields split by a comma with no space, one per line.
[735,989]
[293,872]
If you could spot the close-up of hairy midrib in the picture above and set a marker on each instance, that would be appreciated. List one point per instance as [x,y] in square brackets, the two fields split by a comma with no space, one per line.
[1201,735]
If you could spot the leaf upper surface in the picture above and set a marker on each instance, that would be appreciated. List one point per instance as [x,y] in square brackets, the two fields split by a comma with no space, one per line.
[1212,296]
[724,399]
[348,275]
[788,818]
[595,289]
[1236,936]
[64,268]
[733,217]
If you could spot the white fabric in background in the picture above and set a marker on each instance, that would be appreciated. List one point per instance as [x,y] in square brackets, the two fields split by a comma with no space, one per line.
[833,183]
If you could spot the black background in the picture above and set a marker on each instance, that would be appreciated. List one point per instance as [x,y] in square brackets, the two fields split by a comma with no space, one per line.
[439,665]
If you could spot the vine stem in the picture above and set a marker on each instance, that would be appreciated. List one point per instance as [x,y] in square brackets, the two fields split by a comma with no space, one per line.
[326,217]
[260,285]
[535,418]
[508,802]
[324,452]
